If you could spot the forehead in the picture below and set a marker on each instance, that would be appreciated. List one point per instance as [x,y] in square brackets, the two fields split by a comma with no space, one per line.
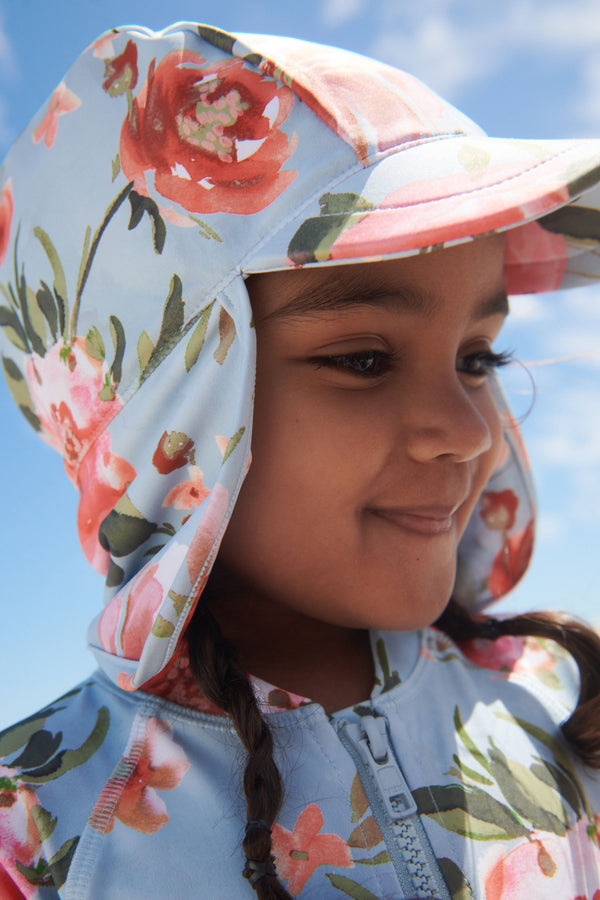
[469,276]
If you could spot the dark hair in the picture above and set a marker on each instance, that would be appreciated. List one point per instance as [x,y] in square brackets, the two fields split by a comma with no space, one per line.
[214,664]
[215,667]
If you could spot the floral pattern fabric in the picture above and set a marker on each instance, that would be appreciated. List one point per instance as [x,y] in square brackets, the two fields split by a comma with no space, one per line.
[101,788]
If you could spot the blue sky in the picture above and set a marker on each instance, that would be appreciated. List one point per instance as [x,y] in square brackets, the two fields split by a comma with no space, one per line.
[523,68]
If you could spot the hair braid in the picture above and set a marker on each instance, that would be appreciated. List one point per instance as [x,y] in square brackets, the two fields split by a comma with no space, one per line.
[582,728]
[214,665]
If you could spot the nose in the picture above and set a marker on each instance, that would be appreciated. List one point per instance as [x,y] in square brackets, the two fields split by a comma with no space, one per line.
[451,420]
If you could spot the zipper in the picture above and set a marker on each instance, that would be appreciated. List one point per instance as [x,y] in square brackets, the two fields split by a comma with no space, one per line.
[393,807]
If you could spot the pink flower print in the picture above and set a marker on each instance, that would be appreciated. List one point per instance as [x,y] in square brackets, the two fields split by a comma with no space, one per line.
[534,259]
[142,601]
[202,544]
[103,47]
[511,562]
[161,766]
[299,852]
[62,101]
[19,838]
[368,110]
[188,494]
[7,205]
[564,868]
[498,509]
[510,653]
[459,202]
[103,478]
[65,385]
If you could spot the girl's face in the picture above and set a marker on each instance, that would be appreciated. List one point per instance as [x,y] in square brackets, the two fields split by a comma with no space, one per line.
[374,434]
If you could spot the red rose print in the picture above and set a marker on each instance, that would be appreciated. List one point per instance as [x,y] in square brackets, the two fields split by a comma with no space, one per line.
[7,206]
[498,509]
[174,450]
[511,562]
[103,478]
[121,72]
[209,135]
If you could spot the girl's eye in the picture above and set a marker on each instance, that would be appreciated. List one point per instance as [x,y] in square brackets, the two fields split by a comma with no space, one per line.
[482,363]
[363,363]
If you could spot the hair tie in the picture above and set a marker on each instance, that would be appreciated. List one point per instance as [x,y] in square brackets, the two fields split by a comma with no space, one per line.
[254,869]
[490,630]
[257,825]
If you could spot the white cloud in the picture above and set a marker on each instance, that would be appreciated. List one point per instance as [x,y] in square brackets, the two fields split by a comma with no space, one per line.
[528,308]
[453,43]
[338,12]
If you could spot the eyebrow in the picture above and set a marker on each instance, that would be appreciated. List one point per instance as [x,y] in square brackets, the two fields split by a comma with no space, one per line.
[338,296]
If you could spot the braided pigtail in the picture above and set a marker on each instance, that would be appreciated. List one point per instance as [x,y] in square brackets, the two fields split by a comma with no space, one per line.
[582,728]
[216,669]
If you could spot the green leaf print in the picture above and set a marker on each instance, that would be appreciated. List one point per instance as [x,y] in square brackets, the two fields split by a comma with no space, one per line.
[145,348]
[170,329]
[95,345]
[455,880]
[60,283]
[124,529]
[530,797]
[45,301]
[469,811]
[468,742]
[313,240]
[233,442]
[351,888]
[578,222]
[560,781]
[390,679]
[196,341]
[117,333]
[66,760]
[162,628]
[52,873]
[141,205]
[20,392]
[41,746]
[12,739]
[44,822]
[13,329]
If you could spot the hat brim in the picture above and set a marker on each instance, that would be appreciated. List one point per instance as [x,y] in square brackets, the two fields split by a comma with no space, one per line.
[449,189]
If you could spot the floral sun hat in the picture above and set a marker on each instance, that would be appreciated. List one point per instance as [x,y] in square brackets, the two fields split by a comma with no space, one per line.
[164,169]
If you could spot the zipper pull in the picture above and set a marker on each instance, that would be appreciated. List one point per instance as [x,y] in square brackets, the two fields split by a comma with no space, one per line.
[370,738]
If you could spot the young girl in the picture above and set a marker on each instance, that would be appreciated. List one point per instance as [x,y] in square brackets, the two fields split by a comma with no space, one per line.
[297,695]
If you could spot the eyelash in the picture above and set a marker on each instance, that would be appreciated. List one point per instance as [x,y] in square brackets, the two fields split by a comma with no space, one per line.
[356,363]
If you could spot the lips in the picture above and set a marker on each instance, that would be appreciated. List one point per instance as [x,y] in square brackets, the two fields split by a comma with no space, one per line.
[430,520]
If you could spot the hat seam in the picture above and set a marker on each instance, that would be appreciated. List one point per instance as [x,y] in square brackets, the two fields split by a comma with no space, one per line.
[359,167]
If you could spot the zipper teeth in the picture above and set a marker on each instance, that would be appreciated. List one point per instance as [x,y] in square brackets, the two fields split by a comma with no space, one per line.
[406,844]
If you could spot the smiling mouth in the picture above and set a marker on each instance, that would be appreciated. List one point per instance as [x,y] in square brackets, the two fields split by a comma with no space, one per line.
[427,521]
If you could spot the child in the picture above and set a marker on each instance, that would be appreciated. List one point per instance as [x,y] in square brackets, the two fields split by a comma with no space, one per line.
[185,197]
